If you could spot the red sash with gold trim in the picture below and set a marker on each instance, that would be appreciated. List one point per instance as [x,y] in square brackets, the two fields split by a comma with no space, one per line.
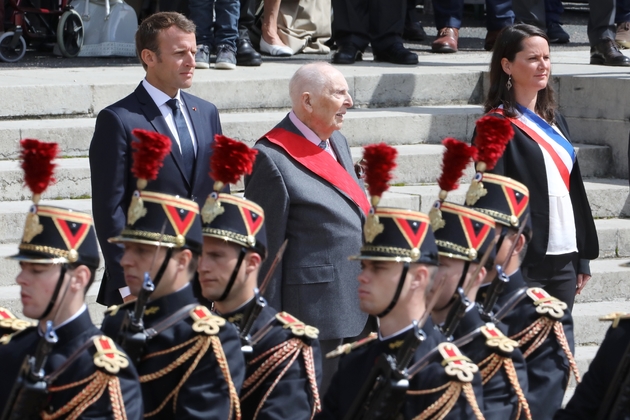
[320,163]
[564,172]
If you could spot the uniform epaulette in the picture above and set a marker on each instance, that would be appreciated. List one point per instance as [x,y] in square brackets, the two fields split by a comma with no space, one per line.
[615,317]
[348,347]
[205,321]
[11,322]
[297,327]
[108,356]
[113,310]
[495,339]
[545,303]
[456,364]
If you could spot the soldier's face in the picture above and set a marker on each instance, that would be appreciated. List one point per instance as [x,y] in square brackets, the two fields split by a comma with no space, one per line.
[216,264]
[450,271]
[377,284]
[139,259]
[37,284]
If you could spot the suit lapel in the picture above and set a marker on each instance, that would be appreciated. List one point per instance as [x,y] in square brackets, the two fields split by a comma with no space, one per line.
[155,117]
[340,152]
[197,123]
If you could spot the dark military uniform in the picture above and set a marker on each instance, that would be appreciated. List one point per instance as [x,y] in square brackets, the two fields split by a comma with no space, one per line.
[120,391]
[591,392]
[286,388]
[186,374]
[504,389]
[550,362]
[355,368]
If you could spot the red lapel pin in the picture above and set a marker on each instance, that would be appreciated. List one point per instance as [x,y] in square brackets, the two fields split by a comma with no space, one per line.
[194,108]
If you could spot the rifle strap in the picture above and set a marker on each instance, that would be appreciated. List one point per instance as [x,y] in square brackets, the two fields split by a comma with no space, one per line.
[168,322]
[70,360]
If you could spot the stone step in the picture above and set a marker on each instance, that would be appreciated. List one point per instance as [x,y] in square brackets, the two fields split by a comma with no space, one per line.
[614,237]
[64,92]
[587,327]
[609,281]
[608,197]
[13,214]
[584,355]
[72,177]
[417,163]
[411,125]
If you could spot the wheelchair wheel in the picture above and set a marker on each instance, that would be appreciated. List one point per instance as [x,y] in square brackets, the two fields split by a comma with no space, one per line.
[70,33]
[11,53]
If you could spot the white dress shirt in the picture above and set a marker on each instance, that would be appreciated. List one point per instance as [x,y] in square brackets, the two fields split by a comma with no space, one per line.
[160,98]
[310,134]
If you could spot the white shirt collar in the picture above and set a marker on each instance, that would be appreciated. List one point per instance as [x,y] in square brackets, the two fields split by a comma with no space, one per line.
[306,132]
[160,98]
[380,337]
[77,314]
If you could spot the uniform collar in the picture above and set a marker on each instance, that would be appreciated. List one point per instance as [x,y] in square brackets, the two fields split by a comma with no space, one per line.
[74,327]
[236,316]
[169,304]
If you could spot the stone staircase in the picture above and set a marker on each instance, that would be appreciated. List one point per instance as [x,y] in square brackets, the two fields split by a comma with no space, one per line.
[413,108]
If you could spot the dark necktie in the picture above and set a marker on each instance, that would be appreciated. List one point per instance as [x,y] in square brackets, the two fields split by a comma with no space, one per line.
[185,141]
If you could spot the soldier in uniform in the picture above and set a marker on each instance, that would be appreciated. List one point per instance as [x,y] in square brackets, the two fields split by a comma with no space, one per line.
[87,375]
[595,397]
[191,365]
[398,266]
[463,235]
[540,323]
[283,354]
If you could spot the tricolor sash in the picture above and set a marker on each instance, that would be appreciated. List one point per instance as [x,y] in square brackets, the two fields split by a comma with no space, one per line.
[320,163]
[559,148]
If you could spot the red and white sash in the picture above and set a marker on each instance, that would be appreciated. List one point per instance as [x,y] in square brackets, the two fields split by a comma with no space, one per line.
[548,138]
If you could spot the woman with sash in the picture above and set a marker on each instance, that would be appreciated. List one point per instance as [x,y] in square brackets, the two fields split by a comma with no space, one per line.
[542,157]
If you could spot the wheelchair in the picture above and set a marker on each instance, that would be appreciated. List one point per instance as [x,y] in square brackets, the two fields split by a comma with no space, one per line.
[37,23]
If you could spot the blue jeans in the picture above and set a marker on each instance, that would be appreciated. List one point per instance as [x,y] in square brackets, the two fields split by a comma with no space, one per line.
[448,13]
[622,12]
[211,31]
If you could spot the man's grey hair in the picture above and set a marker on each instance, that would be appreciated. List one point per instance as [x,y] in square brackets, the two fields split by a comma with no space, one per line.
[311,77]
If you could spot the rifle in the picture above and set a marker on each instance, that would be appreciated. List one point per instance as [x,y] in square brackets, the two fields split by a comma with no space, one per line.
[616,403]
[30,391]
[462,303]
[132,336]
[498,283]
[383,393]
[252,313]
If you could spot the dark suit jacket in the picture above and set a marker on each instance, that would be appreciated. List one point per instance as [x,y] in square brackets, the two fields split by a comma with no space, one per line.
[315,282]
[523,161]
[112,181]
[591,392]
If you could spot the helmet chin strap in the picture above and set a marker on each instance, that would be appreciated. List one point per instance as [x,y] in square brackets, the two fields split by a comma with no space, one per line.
[162,269]
[460,284]
[399,287]
[237,268]
[55,294]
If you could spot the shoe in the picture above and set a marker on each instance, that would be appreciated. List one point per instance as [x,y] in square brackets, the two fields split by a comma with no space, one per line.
[202,58]
[275,50]
[446,42]
[556,34]
[396,54]
[606,52]
[491,38]
[622,37]
[414,32]
[226,57]
[347,54]
[246,55]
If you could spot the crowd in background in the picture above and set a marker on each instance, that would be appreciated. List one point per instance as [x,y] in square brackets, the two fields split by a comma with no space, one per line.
[237,32]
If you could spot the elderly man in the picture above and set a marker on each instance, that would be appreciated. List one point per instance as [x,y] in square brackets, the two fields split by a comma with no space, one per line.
[303,179]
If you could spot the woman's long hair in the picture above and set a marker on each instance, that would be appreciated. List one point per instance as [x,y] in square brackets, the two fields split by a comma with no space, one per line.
[508,44]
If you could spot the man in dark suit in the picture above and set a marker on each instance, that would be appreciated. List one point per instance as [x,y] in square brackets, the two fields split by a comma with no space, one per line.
[304,180]
[166,45]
